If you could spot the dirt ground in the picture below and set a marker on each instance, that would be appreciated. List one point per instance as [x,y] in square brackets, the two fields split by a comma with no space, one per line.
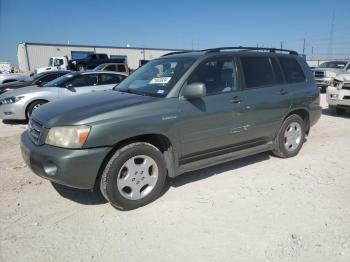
[259,208]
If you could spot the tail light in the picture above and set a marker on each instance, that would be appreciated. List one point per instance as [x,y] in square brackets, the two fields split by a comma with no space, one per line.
[318,98]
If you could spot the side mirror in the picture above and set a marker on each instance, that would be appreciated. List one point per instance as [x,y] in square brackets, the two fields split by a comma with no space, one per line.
[194,91]
[68,86]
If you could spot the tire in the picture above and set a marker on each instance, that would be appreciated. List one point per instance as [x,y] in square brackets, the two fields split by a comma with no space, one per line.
[126,190]
[80,68]
[289,140]
[34,105]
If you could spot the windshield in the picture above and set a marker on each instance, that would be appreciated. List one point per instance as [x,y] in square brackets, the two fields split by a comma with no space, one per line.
[334,64]
[61,81]
[156,78]
[50,62]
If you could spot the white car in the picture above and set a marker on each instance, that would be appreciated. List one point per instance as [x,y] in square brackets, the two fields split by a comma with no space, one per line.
[19,104]
[338,94]
[11,77]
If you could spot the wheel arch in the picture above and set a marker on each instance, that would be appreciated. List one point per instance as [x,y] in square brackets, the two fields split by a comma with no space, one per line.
[160,141]
[33,101]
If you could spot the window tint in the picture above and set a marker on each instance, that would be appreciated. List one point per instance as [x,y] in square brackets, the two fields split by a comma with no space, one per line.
[121,68]
[292,70]
[218,75]
[107,79]
[277,70]
[48,78]
[84,80]
[257,71]
[110,68]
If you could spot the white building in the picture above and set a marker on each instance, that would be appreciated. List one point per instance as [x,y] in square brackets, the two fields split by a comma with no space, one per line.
[33,55]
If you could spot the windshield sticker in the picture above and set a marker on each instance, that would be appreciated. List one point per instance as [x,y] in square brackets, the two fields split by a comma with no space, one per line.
[160,91]
[160,80]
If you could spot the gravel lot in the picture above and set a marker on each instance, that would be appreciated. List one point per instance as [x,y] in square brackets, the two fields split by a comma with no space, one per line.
[259,208]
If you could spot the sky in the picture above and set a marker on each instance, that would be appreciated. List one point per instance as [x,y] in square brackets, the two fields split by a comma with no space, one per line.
[178,24]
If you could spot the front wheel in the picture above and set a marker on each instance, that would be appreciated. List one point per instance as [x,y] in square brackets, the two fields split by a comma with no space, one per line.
[33,106]
[290,137]
[134,176]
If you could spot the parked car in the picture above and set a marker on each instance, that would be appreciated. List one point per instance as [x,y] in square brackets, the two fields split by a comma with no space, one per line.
[327,71]
[175,114]
[11,77]
[338,94]
[35,80]
[90,62]
[20,103]
[55,64]
[113,67]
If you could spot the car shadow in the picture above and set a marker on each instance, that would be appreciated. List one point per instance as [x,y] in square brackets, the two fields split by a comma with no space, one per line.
[205,173]
[88,197]
[81,196]
[14,122]
[326,111]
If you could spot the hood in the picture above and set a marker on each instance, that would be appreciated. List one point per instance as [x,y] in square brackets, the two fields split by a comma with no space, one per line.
[343,77]
[83,109]
[22,91]
[324,69]
[15,84]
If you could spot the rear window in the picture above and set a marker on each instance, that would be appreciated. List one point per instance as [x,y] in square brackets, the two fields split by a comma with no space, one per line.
[257,71]
[292,70]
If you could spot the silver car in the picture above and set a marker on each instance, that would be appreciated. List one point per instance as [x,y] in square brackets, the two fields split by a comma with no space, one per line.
[338,94]
[19,104]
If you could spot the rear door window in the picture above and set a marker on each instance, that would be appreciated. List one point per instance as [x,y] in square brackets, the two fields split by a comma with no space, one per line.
[257,71]
[110,68]
[292,70]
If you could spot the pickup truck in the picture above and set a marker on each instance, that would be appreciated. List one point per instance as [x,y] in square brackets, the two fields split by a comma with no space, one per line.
[90,62]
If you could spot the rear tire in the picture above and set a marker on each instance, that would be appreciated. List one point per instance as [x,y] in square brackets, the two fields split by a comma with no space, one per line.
[134,176]
[33,106]
[290,138]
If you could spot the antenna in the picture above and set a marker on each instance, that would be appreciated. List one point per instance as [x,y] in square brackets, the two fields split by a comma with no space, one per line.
[331,38]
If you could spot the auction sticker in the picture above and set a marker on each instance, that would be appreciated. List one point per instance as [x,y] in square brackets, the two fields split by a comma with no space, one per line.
[160,80]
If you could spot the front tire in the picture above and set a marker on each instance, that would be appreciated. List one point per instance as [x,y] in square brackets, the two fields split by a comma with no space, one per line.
[134,176]
[33,106]
[290,138]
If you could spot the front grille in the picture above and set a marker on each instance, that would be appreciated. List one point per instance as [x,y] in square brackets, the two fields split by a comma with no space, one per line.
[346,86]
[319,74]
[35,130]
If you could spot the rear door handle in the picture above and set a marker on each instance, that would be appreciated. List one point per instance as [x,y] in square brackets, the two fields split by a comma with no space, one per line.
[283,91]
[236,100]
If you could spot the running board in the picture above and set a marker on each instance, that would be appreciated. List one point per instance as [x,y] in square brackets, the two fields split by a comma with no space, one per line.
[203,163]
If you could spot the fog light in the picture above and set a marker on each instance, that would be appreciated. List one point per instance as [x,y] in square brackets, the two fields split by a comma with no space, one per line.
[334,96]
[50,169]
[8,113]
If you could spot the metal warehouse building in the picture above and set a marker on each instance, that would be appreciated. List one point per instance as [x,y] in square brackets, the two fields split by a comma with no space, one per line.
[33,55]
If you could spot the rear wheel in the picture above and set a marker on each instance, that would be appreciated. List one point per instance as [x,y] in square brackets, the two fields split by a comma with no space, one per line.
[290,137]
[33,106]
[134,176]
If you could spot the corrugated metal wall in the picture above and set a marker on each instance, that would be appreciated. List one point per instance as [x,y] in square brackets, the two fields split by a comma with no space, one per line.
[38,54]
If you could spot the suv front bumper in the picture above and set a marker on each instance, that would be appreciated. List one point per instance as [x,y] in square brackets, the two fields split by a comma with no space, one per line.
[323,82]
[338,97]
[71,167]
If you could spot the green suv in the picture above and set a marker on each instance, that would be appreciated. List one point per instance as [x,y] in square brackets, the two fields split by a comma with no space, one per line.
[181,112]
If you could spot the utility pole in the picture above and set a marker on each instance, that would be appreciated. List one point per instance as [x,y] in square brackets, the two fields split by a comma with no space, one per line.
[304,47]
[312,53]
[281,45]
[331,38]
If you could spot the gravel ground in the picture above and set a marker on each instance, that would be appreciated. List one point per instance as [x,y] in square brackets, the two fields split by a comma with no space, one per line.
[259,208]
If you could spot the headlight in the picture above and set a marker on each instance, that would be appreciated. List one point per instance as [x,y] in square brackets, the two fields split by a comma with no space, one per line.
[330,74]
[10,100]
[68,136]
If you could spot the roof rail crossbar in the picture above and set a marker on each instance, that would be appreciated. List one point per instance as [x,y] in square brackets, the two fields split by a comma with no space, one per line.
[249,48]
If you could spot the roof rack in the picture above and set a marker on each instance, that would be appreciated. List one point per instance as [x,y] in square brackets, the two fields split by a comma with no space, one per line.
[177,52]
[249,48]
